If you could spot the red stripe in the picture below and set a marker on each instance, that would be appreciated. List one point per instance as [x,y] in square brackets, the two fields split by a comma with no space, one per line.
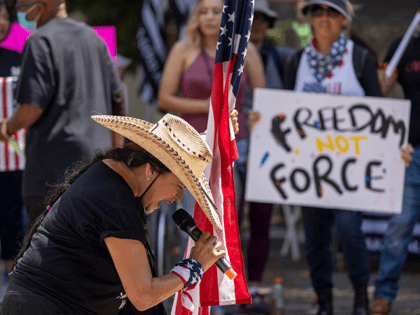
[16,155]
[6,145]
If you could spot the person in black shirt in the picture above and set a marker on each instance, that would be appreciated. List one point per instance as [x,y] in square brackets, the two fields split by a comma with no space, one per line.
[88,254]
[400,226]
[66,74]
[11,226]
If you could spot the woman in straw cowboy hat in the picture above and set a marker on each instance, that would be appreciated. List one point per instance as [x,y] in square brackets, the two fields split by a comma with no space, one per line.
[88,253]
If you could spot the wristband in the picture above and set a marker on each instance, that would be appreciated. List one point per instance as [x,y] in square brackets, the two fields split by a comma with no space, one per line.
[190,271]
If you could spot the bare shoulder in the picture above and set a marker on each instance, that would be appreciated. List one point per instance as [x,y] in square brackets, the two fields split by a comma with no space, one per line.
[184,52]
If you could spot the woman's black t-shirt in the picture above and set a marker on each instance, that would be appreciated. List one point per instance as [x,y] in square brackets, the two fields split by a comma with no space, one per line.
[68,261]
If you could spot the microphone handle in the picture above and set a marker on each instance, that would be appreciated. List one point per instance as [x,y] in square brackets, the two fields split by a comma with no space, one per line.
[223,264]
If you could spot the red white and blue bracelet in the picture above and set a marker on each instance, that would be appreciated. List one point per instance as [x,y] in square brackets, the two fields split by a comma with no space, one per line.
[190,271]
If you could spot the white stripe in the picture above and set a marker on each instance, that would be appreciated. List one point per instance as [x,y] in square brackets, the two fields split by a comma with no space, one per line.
[157,6]
[226,286]
[153,30]
[236,44]
[9,101]
[2,157]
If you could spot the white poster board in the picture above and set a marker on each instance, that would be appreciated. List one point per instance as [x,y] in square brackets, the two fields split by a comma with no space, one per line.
[328,151]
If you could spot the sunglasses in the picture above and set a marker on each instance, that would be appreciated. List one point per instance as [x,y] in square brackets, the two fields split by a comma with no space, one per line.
[317,11]
[261,17]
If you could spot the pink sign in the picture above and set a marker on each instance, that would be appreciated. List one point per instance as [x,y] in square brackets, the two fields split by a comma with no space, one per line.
[18,35]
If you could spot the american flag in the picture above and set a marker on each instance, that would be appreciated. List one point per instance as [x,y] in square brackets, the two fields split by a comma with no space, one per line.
[216,288]
[9,159]
[151,50]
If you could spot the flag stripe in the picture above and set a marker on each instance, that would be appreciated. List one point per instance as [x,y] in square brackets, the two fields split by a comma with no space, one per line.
[9,159]
[5,115]
[228,69]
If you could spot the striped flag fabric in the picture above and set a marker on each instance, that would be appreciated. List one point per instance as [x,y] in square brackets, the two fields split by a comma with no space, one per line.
[9,159]
[181,10]
[151,50]
[216,288]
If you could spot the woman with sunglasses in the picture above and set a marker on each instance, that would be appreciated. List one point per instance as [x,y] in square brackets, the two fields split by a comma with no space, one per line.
[332,63]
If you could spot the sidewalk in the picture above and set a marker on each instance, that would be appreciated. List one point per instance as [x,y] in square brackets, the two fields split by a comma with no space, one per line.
[300,297]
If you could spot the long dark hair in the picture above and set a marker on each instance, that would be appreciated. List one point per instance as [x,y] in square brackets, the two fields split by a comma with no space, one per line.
[131,154]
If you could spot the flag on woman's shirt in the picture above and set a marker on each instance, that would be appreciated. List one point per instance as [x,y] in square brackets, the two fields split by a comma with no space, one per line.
[216,288]
[9,158]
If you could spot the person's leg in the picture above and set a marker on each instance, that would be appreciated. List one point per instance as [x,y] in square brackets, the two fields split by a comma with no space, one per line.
[398,236]
[11,227]
[352,241]
[259,242]
[395,244]
[317,224]
[240,178]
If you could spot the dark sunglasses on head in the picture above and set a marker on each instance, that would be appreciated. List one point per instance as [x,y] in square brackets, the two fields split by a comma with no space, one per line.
[317,10]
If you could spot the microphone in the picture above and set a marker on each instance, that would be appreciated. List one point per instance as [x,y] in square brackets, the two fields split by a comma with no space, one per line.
[186,223]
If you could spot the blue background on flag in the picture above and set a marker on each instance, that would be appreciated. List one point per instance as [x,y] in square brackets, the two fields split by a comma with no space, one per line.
[237,16]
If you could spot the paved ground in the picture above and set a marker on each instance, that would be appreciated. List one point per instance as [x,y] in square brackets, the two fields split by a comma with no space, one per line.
[298,293]
[300,297]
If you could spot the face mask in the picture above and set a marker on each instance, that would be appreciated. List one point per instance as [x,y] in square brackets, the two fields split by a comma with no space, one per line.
[29,25]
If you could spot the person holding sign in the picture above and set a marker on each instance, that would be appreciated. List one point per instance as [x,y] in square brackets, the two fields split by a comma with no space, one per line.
[88,252]
[333,64]
[400,227]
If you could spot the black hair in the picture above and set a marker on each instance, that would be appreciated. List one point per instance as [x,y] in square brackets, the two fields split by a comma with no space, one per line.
[131,155]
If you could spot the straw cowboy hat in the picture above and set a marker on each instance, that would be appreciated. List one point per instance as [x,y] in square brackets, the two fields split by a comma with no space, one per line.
[178,146]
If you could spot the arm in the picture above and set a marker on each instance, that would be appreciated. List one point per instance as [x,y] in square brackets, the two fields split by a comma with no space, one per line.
[386,83]
[118,109]
[171,78]
[25,116]
[143,290]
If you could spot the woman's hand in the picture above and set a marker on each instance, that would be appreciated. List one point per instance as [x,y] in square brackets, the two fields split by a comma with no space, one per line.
[253,118]
[234,119]
[206,250]
[406,154]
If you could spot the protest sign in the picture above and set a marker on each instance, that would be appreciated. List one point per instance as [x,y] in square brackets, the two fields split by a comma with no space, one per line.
[17,36]
[328,151]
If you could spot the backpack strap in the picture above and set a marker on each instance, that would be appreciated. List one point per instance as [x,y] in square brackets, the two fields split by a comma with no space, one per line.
[292,66]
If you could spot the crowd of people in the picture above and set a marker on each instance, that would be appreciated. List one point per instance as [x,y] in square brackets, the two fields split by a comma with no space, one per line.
[86,250]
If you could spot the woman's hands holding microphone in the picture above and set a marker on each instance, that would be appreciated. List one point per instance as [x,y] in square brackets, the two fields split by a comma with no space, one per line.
[206,250]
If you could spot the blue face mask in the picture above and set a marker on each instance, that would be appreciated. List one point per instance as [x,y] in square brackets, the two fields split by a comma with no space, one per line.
[29,25]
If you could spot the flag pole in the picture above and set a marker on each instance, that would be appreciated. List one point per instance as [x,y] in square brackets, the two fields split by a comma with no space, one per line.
[403,45]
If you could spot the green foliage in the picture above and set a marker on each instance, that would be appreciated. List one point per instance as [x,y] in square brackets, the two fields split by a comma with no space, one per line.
[124,14]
